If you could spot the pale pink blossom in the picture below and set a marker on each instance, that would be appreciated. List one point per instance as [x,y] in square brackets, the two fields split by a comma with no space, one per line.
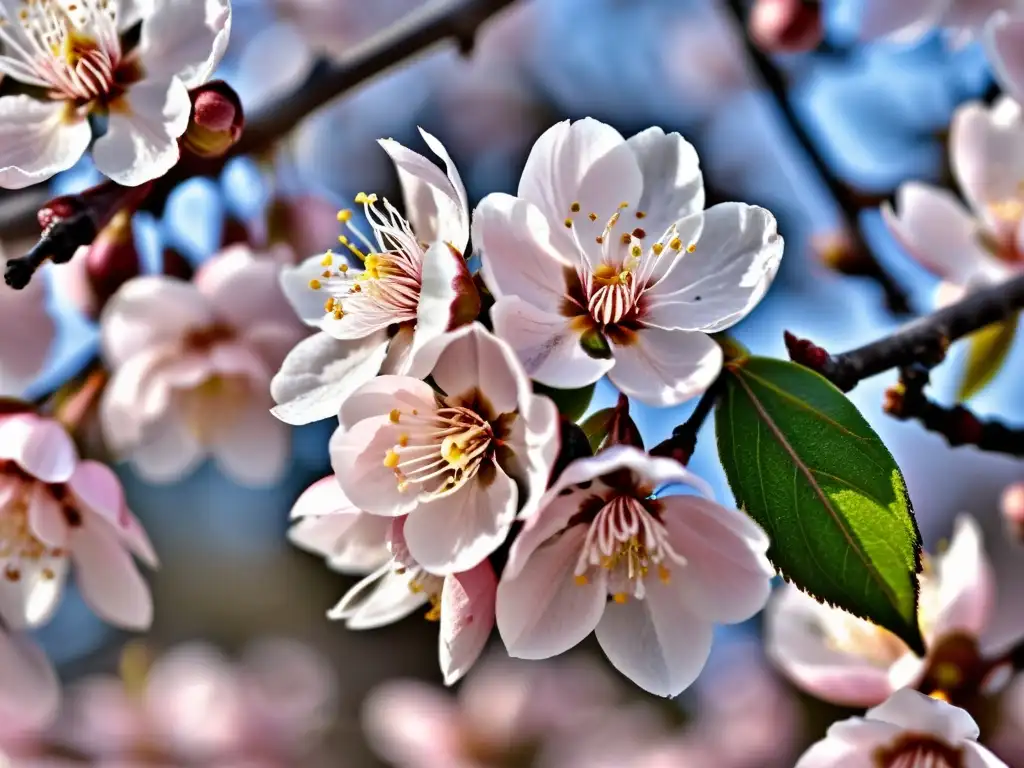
[983,242]
[1004,42]
[28,335]
[673,566]
[908,729]
[74,55]
[191,365]
[55,510]
[194,706]
[507,709]
[29,696]
[907,21]
[411,287]
[847,660]
[606,263]
[461,462]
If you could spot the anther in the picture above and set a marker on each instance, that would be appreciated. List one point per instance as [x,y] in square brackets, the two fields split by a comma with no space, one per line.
[620,597]
[639,233]
[691,248]
[581,580]
[592,216]
[345,215]
[568,223]
[640,214]
[636,251]
[625,238]
[675,244]
[657,248]
[575,207]
[327,260]
[315,284]
[390,459]
[395,415]
[403,440]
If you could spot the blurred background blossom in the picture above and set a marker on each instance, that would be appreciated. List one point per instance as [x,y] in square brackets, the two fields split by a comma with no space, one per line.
[214,683]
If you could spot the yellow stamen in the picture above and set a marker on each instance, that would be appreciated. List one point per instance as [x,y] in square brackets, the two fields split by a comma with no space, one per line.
[676,244]
[390,459]
[344,215]
[664,574]
[394,415]
[625,238]
[327,260]
[640,214]
[575,207]
[657,248]
[364,199]
[581,580]
[403,440]
[314,284]
[691,248]
[568,223]
[592,216]
[620,597]
[636,251]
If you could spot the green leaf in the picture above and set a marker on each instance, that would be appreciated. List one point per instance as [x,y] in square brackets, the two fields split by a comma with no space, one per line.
[596,426]
[988,350]
[805,464]
[572,403]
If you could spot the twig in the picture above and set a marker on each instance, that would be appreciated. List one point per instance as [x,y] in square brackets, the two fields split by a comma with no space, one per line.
[863,261]
[924,340]
[683,442]
[458,19]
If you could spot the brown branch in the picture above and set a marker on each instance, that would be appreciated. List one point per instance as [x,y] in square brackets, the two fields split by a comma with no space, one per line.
[683,442]
[923,341]
[437,21]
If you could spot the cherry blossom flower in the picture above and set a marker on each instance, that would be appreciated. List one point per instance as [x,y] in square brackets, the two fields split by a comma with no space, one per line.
[460,462]
[194,706]
[673,566]
[191,365]
[56,509]
[29,695]
[28,335]
[981,244]
[506,711]
[909,729]
[412,287]
[1004,39]
[76,55]
[605,263]
[847,660]
[907,21]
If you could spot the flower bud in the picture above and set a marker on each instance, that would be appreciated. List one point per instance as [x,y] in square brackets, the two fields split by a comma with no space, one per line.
[786,26]
[1012,506]
[109,262]
[217,120]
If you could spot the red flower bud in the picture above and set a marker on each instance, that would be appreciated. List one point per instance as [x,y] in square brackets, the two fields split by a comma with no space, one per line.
[217,120]
[108,263]
[786,26]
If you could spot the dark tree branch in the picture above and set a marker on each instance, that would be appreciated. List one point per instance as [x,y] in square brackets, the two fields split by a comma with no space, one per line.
[861,261]
[923,341]
[907,400]
[437,21]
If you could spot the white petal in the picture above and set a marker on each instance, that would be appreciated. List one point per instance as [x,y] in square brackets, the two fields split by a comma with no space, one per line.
[474,359]
[936,230]
[184,38]
[245,287]
[168,452]
[548,347]
[673,184]
[150,311]
[727,576]
[664,368]
[543,612]
[46,517]
[353,544]
[32,600]
[656,642]
[467,618]
[987,155]
[534,444]
[141,142]
[307,303]
[518,255]
[736,259]
[1004,41]
[321,372]
[915,711]
[108,578]
[41,447]
[255,449]
[849,744]
[380,395]
[29,689]
[37,141]
[966,583]
[457,532]
[357,455]
[977,756]
[588,163]
[382,598]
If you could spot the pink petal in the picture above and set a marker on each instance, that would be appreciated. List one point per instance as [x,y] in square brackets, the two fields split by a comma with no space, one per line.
[534,444]
[966,583]
[410,723]
[727,576]
[168,452]
[32,599]
[656,642]
[987,154]
[467,618]
[107,577]
[321,372]
[543,612]
[458,531]
[673,184]
[1004,40]
[39,446]
[37,140]
[46,517]
[518,256]
[29,689]
[476,360]
[381,395]
[29,333]
[150,311]
[382,598]
[795,642]
[357,456]
[547,345]
[255,449]
[136,396]
[663,368]
[851,746]
[915,711]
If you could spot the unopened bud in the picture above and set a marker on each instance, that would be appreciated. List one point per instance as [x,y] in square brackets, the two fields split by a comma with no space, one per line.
[217,120]
[1012,506]
[786,26]
[109,262]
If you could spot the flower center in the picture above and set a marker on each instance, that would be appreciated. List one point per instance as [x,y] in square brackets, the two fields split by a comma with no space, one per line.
[72,49]
[441,452]
[626,540]
[387,290]
[18,543]
[913,750]
[214,406]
